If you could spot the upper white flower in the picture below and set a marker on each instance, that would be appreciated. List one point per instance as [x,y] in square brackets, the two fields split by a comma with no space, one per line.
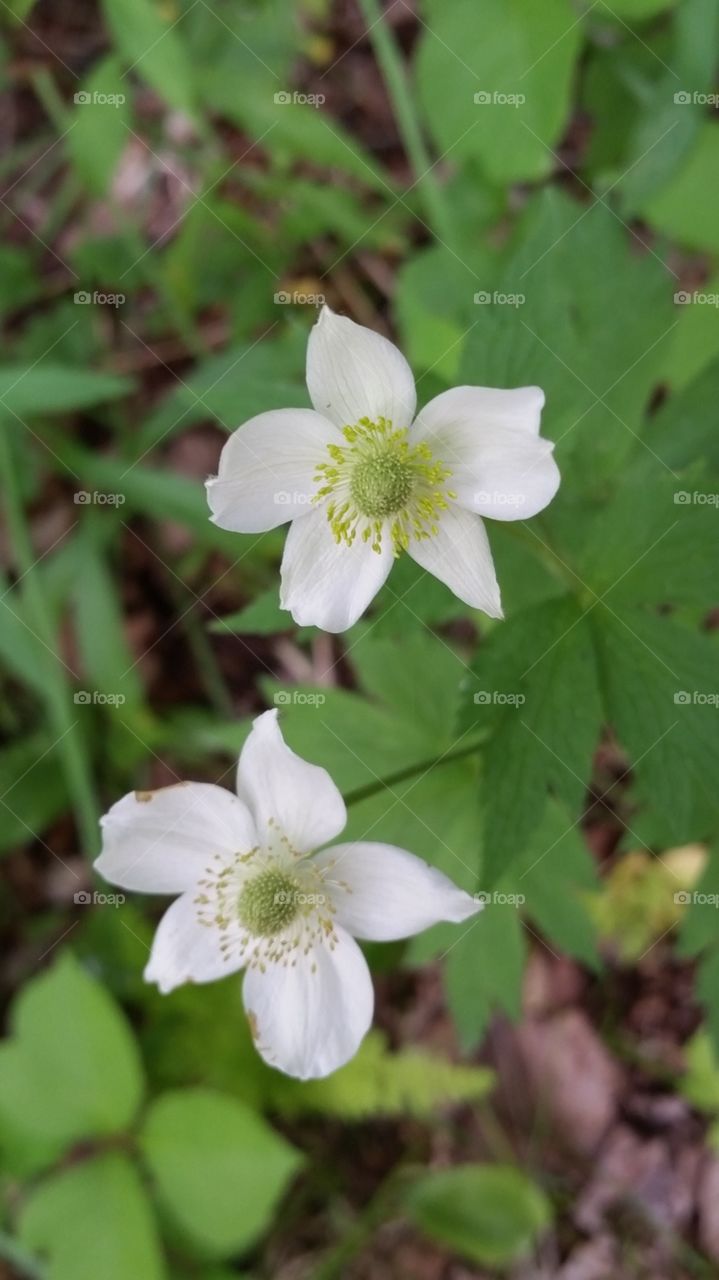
[258,891]
[362,479]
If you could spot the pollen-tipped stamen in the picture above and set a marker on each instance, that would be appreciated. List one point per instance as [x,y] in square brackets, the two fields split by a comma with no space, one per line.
[379,480]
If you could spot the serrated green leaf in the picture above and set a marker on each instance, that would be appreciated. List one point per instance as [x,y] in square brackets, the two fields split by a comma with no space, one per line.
[380,1083]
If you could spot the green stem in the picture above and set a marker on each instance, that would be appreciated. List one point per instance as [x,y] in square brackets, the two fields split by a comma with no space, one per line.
[392,66]
[57,691]
[436,762]
[383,1205]
[20,1260]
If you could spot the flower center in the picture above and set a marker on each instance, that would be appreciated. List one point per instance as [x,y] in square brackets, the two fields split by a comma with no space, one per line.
[380,483]
[269,902]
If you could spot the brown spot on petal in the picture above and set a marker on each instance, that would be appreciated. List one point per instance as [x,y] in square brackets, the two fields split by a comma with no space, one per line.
[143,796]
[254,1029]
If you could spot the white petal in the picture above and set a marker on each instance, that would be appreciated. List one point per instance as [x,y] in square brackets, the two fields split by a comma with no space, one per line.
[485,407]
[267,469]
[186,950]
[353,373]
[162,841]
[310,1018]
[501,467]
[329,584]
[382,893]
[300,798]
[459,555]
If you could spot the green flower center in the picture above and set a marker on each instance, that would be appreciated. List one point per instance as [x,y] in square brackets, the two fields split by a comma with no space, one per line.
[381,485]
[378,482]
[268,903]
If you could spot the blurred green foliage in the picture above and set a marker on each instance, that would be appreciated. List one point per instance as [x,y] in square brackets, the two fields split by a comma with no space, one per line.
[172,193]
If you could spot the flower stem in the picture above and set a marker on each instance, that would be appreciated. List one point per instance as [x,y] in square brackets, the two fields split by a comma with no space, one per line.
[22,1262]
[391,63]
[436,762]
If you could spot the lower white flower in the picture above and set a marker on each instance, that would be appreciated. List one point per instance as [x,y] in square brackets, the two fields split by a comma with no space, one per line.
[363,480]
[259,891]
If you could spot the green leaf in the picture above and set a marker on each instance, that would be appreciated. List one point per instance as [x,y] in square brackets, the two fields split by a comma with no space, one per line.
[484,969]
[46,388]
[107,660]
[684,209]
[700,1084]
[71,1069]
[656,678]
[491,1214]
[98,130]
[574,267]
[380,1083]
[153,48]
[504,47]
[93,1220]
[34,791]
[535,687]
[220,1170]
[555,875]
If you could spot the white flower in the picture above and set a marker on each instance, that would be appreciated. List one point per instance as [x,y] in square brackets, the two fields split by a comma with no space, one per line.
[258,891]
[362,479]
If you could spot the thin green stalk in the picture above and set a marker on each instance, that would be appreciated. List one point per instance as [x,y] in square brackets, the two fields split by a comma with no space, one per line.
[392,66]
[436,762]
[70,745]
[20,1260]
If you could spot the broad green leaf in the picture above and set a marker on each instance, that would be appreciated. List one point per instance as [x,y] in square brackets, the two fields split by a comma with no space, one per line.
[684,209]
[71,1069]
[659,689]
[151,42]
[534,688]
[574,267]
[491,1214]
[505,68]
[93,1220]
[700,1084]
[219,1169]
[696,337]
